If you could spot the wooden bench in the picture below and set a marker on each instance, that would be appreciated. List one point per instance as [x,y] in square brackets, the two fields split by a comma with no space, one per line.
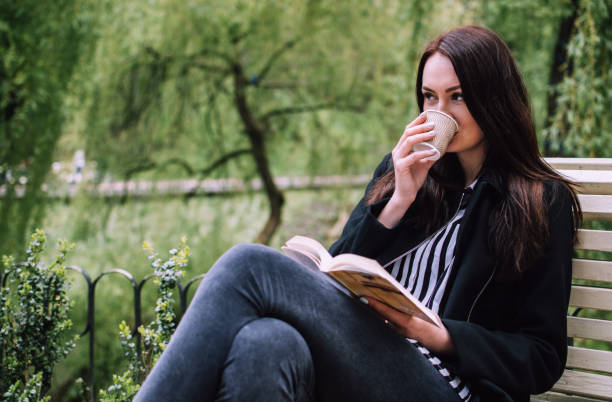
[588,374]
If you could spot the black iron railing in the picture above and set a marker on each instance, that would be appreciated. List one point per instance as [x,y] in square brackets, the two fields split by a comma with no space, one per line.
[137,289]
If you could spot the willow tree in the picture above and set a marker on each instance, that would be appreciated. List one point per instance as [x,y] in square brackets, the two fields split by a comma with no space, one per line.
[564,50]
[580,124]
[199,85]
[40,44]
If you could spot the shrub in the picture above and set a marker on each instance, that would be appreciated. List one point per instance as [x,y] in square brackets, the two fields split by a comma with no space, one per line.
[33,321]
[156,335]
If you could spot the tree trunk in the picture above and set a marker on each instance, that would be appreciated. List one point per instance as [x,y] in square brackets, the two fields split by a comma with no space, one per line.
[255,131]
[558,60]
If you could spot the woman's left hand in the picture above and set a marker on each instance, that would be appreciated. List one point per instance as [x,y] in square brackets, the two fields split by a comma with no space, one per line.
[435,338]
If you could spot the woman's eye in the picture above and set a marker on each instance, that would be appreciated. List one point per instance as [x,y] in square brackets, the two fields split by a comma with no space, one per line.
[458,97]
[428,95]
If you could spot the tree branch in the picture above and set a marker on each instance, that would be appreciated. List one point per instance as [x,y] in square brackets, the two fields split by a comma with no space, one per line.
[211,110]
[150,165]
[139,169]
[274,57]
[215,165]
[185,165]
[223,160]
[308,108]
[239,37]
[192,59]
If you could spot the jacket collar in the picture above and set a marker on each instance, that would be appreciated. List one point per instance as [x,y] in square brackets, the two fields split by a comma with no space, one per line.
[492,179]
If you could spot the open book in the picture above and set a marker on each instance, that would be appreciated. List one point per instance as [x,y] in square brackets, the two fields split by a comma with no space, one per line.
[360,275]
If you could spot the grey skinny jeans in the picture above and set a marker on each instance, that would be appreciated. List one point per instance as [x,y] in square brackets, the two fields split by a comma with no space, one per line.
[263,327]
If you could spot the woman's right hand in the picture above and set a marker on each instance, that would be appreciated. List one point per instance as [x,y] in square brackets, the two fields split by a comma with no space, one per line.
[410,170]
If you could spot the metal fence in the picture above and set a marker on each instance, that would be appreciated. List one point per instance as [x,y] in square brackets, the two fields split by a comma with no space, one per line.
[137,291]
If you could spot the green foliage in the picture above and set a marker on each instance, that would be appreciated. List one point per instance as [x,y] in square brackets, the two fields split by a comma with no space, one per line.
[581,125]
[124,388]
[238,86]
[530,29]
[322,77]
[31,391]
[41,42]
[154,336]
[34,321]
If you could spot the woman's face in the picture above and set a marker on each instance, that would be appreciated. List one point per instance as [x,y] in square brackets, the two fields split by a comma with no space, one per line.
[442,91]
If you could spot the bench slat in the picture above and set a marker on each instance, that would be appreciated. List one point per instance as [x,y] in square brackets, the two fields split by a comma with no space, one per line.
[592,181]
[589,328]
[580,163]
[598,240]
[557,397]
[595,178]
[591,297]
[585,384]
[596,207]
[592,270]
[589,359]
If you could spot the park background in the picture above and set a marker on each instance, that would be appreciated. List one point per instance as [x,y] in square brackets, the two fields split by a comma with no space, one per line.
[156,90]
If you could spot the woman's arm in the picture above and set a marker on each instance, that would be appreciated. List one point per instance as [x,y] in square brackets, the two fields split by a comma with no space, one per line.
[363,234]
[410,170]
[371,227]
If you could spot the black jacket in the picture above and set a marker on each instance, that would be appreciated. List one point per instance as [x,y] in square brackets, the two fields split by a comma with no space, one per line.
[510,335]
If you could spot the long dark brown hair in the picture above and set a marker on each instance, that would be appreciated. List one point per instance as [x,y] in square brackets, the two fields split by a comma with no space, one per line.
[496,97]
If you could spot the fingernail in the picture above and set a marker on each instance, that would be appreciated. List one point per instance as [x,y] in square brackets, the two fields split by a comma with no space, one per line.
[430,132]
[364,300]
[432,125]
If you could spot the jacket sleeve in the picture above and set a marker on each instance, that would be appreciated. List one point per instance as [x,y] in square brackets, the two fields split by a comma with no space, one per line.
[532,356]
[363,234]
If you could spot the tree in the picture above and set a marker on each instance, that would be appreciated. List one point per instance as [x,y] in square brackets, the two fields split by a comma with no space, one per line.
[579,124]
[40,44]
[228,77]
[573,38]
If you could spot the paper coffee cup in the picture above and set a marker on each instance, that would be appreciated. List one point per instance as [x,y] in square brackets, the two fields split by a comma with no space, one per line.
[445,128]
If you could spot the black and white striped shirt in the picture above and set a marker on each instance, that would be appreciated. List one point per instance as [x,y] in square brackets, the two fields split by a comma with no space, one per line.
[424,271]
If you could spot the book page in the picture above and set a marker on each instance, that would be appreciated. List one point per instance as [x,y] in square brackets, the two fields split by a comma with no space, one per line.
[305,258]
[310,247]
[353,262]
[364,284]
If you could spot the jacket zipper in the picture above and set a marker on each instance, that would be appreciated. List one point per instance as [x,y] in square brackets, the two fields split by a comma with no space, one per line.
[429,302]
[480,294]
[428,237]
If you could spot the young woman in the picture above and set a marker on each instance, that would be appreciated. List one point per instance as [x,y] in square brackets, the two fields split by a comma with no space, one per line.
[483,236]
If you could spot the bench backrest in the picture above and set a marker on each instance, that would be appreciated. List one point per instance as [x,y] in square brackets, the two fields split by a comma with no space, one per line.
[588,371]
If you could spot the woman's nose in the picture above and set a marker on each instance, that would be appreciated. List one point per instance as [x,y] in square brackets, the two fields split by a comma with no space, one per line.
[442,106]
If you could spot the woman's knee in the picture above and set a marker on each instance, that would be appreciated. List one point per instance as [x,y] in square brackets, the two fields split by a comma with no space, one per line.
[272,339]
[276,355]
